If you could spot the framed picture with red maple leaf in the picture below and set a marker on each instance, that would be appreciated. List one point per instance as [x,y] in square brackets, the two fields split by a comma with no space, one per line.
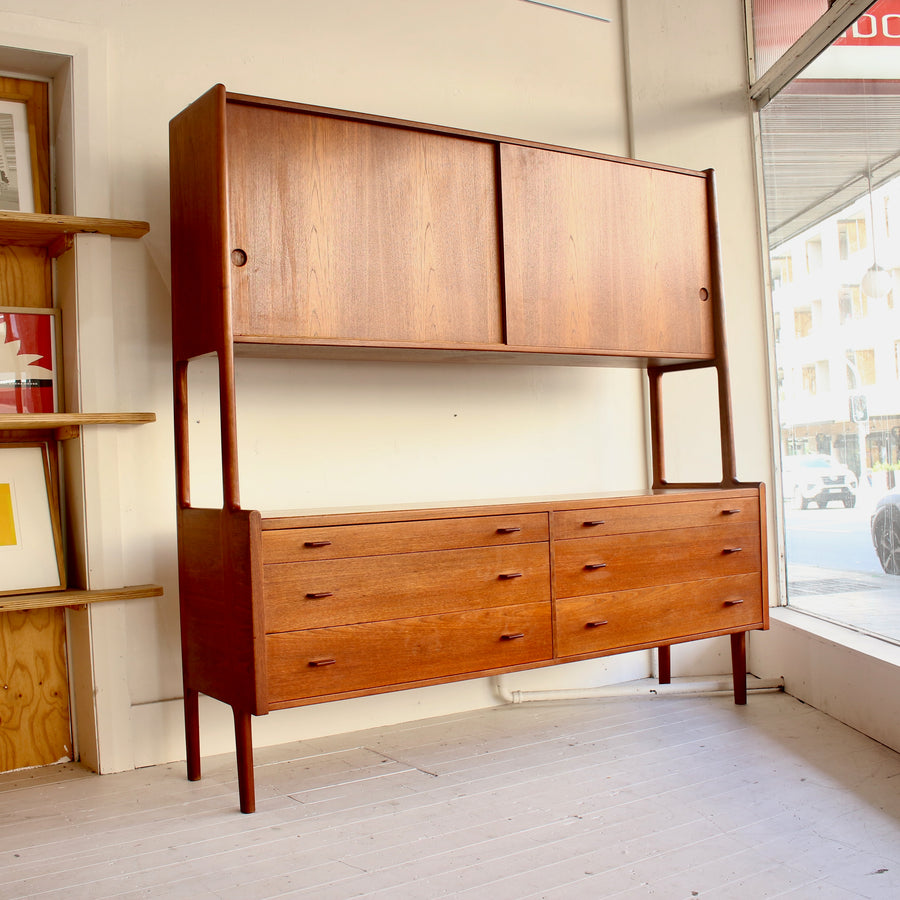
[28,361]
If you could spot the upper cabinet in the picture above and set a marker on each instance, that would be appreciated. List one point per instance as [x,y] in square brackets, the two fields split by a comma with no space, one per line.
[298,228]
[351,230]
[604,256]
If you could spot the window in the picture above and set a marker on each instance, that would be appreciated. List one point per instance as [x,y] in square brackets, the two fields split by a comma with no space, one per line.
[814,259]
[829,139]
[808,374]
[782,269]
[852,302]
[851,237]
[865,362]
[803,321]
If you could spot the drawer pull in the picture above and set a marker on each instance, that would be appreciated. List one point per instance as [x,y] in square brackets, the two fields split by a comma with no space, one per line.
[591,566]
[518,635]
[318,663]
[593,523]
[509,529]
[730,512]
[732,549]
[506,576]
[596,624]
[319,595]
[317,544]
[736,602]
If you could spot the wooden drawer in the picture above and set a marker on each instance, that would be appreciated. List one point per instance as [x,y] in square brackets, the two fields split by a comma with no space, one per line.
[580,523]
[334,542]
[370,588]
[657,615]
[324,661]
[624,561]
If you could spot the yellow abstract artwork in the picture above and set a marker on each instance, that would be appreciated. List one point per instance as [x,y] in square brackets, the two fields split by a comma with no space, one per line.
[7,521]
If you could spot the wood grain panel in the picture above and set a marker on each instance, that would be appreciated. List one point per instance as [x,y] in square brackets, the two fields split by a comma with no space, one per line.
[625,561]
[220,581]
[403,651]
[25,277]
[605,256]
[656,615]
[370,588]
[198,201]
[295,544]
[34,694]
[580,523]
[354,230]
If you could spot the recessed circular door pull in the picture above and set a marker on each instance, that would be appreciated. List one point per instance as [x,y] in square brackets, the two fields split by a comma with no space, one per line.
[512,637]
[732,549]
[318,663]
[509,529]
[591,566]
[317,543]
[596,624]
[319,595]
[735,602]
[506,576]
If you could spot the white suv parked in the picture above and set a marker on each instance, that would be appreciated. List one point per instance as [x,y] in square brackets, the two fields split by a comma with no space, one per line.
[817,478]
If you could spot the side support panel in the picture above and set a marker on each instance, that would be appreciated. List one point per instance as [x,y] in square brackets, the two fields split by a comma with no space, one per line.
[223,643]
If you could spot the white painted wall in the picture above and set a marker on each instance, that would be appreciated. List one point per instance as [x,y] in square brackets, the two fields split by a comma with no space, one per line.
[361,433]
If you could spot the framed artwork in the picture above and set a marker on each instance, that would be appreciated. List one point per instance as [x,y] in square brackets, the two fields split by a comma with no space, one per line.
[31,557]
[16,186]
[28,363]
[24,146]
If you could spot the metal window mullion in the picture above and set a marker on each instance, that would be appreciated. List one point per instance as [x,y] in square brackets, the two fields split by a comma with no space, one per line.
[814,41]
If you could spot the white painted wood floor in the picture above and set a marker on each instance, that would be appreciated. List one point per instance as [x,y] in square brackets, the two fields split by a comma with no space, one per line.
[669,797]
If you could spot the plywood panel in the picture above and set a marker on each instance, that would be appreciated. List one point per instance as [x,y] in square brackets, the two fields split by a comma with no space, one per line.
[359,231]
[34,694]
[24,276]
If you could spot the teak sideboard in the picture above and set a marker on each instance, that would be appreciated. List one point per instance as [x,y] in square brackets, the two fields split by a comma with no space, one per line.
[304,231]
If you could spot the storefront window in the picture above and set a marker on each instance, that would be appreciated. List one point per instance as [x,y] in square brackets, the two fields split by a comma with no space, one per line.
[831,164]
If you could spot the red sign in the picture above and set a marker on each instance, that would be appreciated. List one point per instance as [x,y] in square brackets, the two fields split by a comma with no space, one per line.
[879,27]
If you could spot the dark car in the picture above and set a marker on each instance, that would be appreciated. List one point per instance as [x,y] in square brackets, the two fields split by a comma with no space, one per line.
[886,531]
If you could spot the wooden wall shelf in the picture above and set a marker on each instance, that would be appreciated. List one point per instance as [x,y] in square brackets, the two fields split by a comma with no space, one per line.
[51,231]
[68,425]
[52,599]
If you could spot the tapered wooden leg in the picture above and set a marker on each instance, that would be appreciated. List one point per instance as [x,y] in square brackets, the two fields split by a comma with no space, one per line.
[739,666]
[243,740]
[192,733]
[664,664]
